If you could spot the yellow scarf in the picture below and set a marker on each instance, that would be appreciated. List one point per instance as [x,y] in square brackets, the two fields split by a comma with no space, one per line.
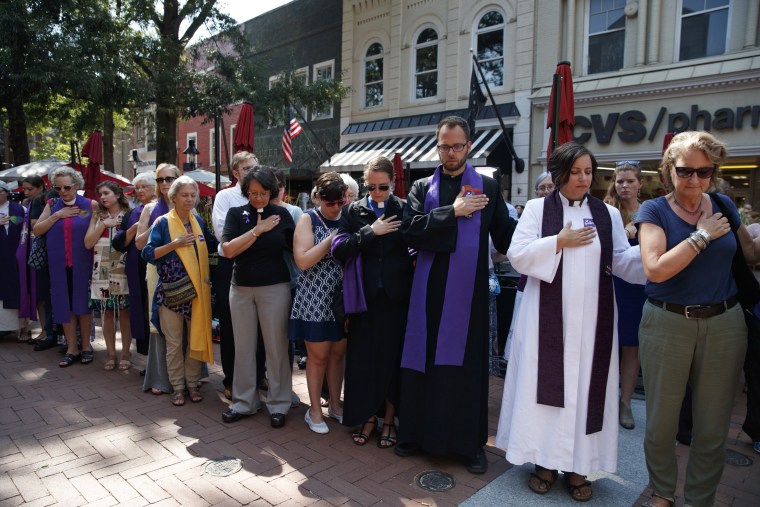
[200,344]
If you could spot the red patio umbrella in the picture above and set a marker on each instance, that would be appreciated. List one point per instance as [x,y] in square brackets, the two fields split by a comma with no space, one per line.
[398,177]
[562,112]
[244,130]
[93,150]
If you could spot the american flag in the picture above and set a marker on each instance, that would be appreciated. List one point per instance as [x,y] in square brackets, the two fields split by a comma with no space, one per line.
[288,134]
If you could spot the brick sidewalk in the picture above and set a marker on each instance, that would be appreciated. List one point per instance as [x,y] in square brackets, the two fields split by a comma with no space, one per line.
[80,435]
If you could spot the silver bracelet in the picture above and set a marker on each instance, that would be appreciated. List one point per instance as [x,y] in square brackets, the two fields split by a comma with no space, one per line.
[699,240]
[705,235]
[693,245]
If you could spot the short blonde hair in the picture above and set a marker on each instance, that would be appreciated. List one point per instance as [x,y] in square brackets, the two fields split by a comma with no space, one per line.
[242,156]
[693,140]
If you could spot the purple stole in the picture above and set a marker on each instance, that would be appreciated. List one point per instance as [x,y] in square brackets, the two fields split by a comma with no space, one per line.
[27,275]
[134,282]
[9,241]
[81,262]
[457,299]
[551,385]
[353,278]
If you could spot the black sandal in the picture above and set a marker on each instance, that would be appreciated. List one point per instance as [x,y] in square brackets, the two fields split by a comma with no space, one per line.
[68,359]
[88,356]
[361,438]
[544,485]
[387,441]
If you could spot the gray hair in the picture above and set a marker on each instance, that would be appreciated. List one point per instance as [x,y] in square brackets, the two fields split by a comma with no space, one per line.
[541,177]
[76,177]
[351,184]
[148,178]
[181,182]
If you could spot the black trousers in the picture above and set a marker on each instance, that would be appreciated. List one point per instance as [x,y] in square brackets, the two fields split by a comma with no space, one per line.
[752,373]
[226,337]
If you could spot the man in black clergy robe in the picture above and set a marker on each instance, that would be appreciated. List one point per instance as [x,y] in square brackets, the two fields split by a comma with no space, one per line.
[444,376]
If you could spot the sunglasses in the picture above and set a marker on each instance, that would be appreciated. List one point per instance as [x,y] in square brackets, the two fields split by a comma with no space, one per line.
[331,204]
[64,187]
[168,179]
[703,173]
[634,163]
[384,188]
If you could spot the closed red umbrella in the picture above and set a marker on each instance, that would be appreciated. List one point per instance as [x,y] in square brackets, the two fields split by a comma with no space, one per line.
[93,150]
[561,113]
[398,177]
[244,130]
[666,142]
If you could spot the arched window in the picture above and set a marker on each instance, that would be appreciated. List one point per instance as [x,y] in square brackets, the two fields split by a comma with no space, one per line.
[426,64]
[373,76]
[490,43]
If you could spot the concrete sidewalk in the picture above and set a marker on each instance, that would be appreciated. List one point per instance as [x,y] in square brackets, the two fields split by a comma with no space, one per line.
[83,436]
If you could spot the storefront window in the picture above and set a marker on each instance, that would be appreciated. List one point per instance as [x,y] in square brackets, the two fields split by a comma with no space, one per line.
[373,76]
[704,25]
[426,64]
[490,41]
[606,35]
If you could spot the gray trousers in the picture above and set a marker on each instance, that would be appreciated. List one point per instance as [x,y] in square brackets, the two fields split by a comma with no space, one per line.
[708,354]
[268,306]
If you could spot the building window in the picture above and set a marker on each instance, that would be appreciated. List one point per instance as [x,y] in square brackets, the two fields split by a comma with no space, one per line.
[606,35]
[490,43]
[373,76]
[212,148]
[426,64]
[323,72]
[704,25]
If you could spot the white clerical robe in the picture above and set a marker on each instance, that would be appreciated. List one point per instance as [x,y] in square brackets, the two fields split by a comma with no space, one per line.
[554,437]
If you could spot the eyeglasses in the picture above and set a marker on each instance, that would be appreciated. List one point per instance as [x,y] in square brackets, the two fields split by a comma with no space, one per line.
[703,173]
[545,188]
[383,188]
[330,204]
[64,187]
[256,195]
[244,169]
[168,179]
[634,163]
[444,148]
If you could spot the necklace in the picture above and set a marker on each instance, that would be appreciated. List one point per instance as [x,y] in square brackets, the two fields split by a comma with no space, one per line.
[690,213]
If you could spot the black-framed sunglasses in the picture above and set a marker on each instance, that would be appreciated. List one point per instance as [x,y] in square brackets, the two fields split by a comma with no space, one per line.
[63,187]
[703,173]
[634,163]
[383,188]
[168,179]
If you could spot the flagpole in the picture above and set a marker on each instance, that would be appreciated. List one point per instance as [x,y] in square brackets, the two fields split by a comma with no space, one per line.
[306,124]
[519,163]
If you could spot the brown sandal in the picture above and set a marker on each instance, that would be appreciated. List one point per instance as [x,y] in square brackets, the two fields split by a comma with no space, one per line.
[178,398]
[538,484]
[194,394]
[576,490]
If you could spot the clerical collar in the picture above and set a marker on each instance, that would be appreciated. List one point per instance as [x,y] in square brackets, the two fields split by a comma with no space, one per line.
[71,202]
[571,203]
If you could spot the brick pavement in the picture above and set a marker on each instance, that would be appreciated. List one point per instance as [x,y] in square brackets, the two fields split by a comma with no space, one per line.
[83,436]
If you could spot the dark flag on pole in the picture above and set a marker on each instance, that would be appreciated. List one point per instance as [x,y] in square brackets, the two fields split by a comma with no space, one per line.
[475,104]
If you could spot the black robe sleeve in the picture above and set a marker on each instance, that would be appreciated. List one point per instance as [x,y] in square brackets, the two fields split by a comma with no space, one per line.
[360,237]
[502,225]
[119,241]
[435,231]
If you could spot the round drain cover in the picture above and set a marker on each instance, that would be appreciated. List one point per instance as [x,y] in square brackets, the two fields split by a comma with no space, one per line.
[433,480]
[222,466]
[737,459]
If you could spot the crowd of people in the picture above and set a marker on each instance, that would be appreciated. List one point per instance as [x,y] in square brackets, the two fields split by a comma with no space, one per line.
[389,301]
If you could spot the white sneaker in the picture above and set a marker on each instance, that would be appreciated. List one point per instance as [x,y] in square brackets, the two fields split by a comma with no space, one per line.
[320,428]
[295,401]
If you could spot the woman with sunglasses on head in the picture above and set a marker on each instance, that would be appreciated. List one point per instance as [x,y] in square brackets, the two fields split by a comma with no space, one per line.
[64,222]
[369,234]
[623,193]
[312,319]
[156,374]
[106,217]
[692,330]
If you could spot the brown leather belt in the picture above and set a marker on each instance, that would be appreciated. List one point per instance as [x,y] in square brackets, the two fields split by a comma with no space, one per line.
[696,311]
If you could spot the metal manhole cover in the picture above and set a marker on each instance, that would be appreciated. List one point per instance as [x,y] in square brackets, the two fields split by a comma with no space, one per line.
[737,459]
[222,466]
[433,480]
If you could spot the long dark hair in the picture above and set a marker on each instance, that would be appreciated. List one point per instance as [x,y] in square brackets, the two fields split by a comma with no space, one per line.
[116,189]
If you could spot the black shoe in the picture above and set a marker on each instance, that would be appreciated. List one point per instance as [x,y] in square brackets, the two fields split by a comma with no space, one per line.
[406,449]
[142,373]
[478,464]
[277,420]
[231,416]
[302,363]
[47,343]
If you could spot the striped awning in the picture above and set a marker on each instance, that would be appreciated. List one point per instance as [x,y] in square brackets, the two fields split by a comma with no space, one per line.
[418,151]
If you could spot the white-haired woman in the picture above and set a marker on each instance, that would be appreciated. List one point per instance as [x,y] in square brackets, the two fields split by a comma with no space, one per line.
[178,245]
[64,223]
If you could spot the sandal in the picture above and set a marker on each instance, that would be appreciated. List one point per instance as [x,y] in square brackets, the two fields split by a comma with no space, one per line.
[68,359]
[156,391]
[124,365]
[24,337]
[88,356]
[178,398]
[576,490]
[194,394]
[387,440]
[538,484]
[360,437]
[110,365]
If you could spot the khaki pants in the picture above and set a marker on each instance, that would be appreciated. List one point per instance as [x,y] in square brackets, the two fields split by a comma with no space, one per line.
[708,355]
[184,371]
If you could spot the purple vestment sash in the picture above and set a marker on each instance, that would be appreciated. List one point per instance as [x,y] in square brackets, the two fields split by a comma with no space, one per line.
[460,284]
[81,264]
[551,371]
[353,284]
[27,275]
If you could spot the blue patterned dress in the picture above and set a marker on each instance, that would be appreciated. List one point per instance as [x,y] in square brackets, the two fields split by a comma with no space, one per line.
[311,318]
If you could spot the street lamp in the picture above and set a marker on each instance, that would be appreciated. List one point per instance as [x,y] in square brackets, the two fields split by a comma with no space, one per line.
[192,152]
[135,162]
